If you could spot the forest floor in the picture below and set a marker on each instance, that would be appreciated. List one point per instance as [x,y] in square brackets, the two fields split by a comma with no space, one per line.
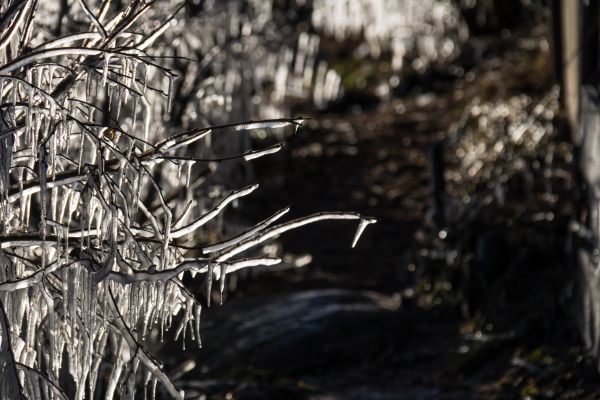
[384,320]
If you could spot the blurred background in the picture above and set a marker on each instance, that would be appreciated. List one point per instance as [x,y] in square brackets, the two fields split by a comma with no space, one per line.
[444,120]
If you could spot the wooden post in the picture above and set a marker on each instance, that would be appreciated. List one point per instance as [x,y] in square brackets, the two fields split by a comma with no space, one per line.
[437,184]
[569,12]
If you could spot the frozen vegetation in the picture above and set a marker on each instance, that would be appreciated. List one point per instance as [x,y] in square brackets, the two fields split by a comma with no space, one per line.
[121,137]
[419,31]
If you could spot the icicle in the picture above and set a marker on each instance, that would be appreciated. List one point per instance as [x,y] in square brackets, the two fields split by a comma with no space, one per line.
[30,110]
[125,76]
[51,105]
[149,307]
[119,99]
[189,174]
[43,170]
[147,117]
[181,329]
[130,146]
[71,300]
[209,280]
[66,199]
[105,69]
[109,94]
[42,75]
[154,382]
[88,86]
[51,70]
[15,92]
[52,157]
[198,312]
[80,158]
[170,92]
[94,87]
[134,111]
[134,64]
[115,374]
[2,84]
[318,92]
[361,227]
[137,183]
[24,199]
[47,125]
[222,280]
[145,78]
[53,203]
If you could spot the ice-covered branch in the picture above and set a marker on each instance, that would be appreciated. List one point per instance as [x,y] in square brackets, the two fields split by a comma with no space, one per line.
[88,13]
[177,233]
[287,226]
[248,234]
[29,281]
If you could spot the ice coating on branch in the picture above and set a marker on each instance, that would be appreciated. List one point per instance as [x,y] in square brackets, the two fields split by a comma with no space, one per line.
[263,125]
[260,153]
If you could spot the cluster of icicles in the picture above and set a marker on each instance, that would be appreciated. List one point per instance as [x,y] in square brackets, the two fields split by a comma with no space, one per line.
[250,76]
[97,223]
[431,30]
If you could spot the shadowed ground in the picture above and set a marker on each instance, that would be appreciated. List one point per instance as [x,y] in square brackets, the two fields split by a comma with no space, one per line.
[381,321]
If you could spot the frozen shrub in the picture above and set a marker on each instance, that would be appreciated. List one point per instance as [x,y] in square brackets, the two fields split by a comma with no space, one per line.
[114,127]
